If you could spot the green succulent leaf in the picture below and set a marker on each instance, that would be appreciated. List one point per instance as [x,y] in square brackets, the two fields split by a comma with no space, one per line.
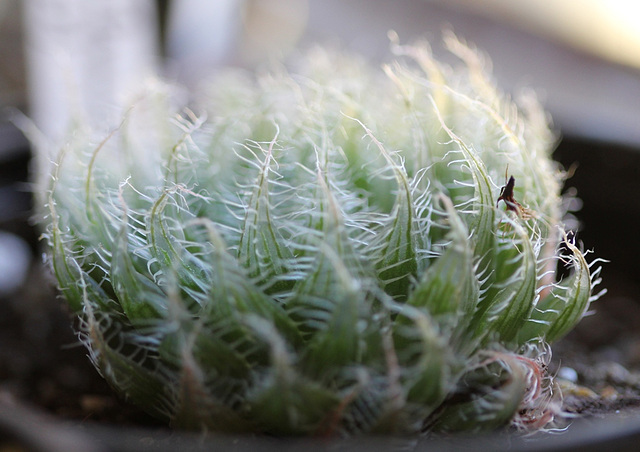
[329,302]
[261,245]
[141,385]
[283,401]
[139,380]
[483,223]
[448,291]
[498,389]
[141,299]
[564,304]
[449,285]
[425,357]
[507,304]
[398,261]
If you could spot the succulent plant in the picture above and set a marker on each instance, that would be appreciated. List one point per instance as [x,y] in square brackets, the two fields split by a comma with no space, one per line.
[330,249]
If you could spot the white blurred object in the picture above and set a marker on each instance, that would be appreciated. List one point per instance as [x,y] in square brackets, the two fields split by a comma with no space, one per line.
[15,258]
[272,28]
[568,373]
[85,58]
[609,29]
[201,34]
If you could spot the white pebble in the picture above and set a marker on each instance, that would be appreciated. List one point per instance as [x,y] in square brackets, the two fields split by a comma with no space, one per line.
[15,258]
[568,373]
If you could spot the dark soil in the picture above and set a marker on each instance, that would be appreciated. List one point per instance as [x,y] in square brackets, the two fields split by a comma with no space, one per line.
[42,364]
[604,349]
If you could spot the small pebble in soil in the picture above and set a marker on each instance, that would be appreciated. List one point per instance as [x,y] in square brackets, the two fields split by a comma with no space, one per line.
[15,258]
[568,373]
[609,393]
[91,403]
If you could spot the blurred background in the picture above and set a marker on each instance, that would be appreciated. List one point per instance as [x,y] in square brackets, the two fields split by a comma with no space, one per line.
[60,58]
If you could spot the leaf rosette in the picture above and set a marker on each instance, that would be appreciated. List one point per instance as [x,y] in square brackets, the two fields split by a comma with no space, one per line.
[320,251]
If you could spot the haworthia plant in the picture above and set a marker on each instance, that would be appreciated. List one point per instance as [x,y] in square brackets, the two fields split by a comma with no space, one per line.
[322,251]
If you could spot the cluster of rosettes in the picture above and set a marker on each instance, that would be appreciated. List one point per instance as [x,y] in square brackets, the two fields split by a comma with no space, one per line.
[322,251]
